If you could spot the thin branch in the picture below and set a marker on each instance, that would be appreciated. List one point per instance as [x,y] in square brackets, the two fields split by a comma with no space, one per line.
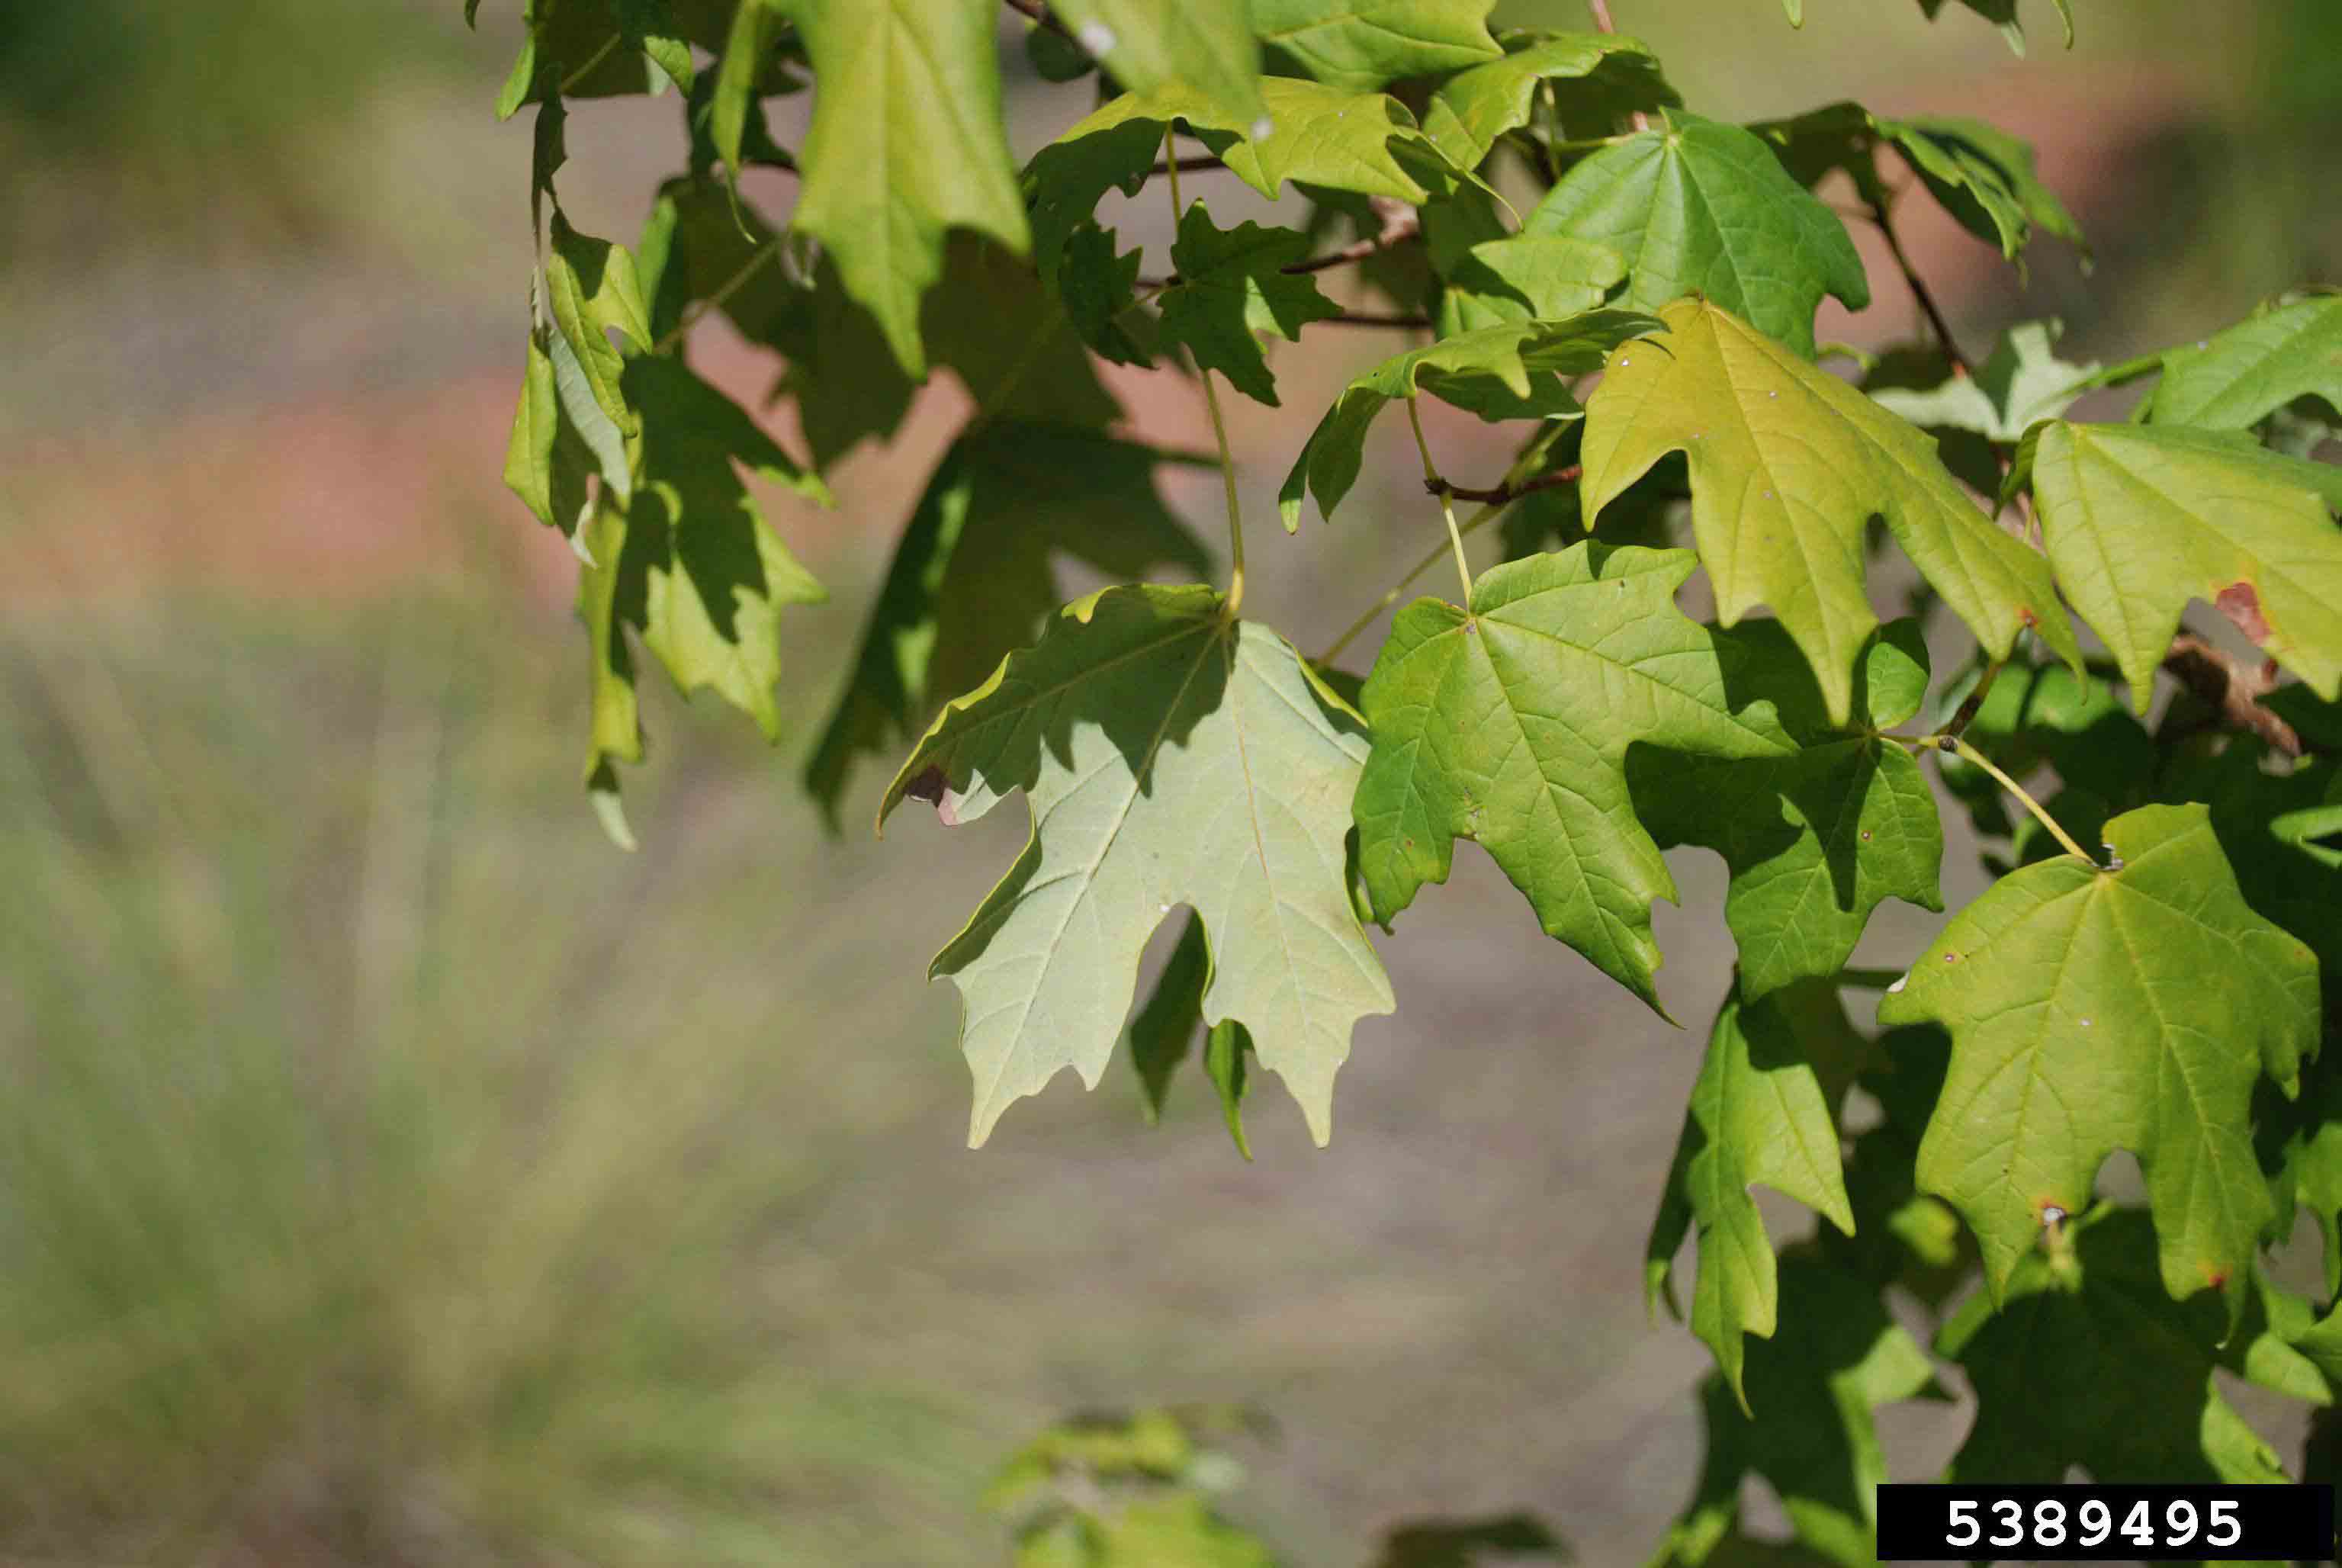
[1601,9]
[1396,232]
[1371,318]
[1201,163]
[721,296]
[1438,486]
[1498,495]
[2228,685]
[1039,12]
[1920,291]
[1235,598]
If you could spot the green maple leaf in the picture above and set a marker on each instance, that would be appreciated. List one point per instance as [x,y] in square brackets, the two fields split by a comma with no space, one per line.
[1311,133]
[1814,1388]
[591,289]
[1788,463]
[907,142]
[1206,46]
[1099,287]
[1523,278]
[2023,383]
[546,462]
[1902,1236]
[601,49]
[2277,818]
[1470,112]
[689,563]
[1504,372]
[1148,1531]
[1815,839]
[1363,45]
[1509,725]
[2087,1361]
[2092,1010]
[974,576]
[2002,14]
[2137,520]
[1230,287]
[1169,755]
[1698,207]
[2240,376]
[1764,1110]
[1982,176]
[1163,1031]
[990,322]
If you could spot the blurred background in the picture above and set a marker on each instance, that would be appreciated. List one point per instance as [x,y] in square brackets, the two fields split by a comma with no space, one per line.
[392,1173]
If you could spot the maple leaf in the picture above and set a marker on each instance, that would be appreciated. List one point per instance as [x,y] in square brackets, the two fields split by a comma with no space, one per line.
[974,576]
[1788,465]
[1206,46]
[1471,111]
[1231,286]
[2240,376]
[907,142]
[1704,208]
[1509,725]
[2087,1361]
[2137,520]
[1523,278]
[1169,755]
[1817,838]
[1163,1031]
[1509,371]
[2022,382]
[2093,1009]
[1814,1388]
[1764,1110]
[689,563]
[1362,45]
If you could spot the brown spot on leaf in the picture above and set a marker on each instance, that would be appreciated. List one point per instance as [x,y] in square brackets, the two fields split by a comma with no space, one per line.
[2025,614]
[929,786]
[2242,604]
[2216,1278]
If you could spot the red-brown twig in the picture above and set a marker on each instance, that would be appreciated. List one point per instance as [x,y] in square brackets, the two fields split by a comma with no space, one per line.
[1498,494]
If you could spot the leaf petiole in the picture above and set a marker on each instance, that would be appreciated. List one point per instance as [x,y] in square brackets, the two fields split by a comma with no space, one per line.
[1446,508]
[1219,425]
[1949,741]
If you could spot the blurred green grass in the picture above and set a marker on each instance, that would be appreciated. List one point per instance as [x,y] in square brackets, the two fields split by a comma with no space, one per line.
[389,1172]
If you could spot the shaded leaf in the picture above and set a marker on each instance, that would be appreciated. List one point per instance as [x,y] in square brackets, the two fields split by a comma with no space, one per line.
[1470,112]
[1510,1538]
[1099,288]
[2092,1010]
[974,574]
[2089,1362]
[1169,755]
[2045,716]
[1698,207]
[1165,1031]
[1503,371]
[1363,45]
[1230,287]
[2022,382]
[690,564]
[2240,376]
[1764,1110]
[2137,520]
[2002,14]
[907,142]
[1817,838]
[1979,173]
[546,461]
[591,289]
[1510,725]
[1788,463]
[1814,1388]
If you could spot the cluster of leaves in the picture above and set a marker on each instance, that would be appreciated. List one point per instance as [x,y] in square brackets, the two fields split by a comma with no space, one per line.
[1140,1489]
[1634,286]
